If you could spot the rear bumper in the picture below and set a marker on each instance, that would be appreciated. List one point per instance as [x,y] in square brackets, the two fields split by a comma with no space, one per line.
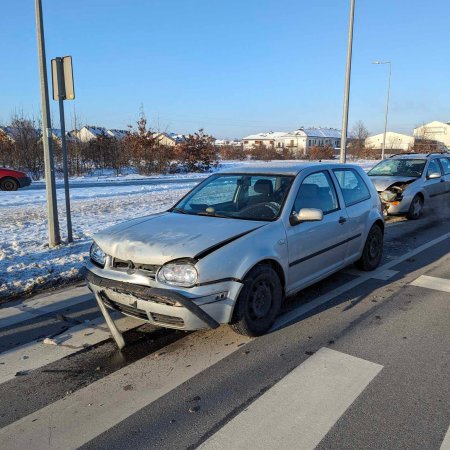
[166,307]
[24,181]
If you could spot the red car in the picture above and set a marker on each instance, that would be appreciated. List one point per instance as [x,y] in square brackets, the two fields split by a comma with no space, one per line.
[11,180]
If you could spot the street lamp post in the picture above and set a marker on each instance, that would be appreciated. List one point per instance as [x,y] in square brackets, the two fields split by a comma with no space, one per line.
[383,150]
[52,209]
[343,156]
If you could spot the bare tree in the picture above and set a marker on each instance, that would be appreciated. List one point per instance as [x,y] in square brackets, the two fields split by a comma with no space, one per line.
[359,134]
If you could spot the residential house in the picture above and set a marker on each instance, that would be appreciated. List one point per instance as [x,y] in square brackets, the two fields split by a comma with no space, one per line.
[88,132]
[434,131]
[267,139]
[117,134]
[394,141]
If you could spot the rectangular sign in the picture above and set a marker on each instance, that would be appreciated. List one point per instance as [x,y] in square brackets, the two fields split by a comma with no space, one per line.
[68,91]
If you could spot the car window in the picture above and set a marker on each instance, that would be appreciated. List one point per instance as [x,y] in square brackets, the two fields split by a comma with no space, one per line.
[445,163]
[399,168]
[317,191]
[240,196]
[433,167]
[354,189]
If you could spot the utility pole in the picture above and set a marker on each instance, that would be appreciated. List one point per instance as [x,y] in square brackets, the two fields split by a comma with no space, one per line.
[52,207]
[343,157]
[383,150]
[62,124]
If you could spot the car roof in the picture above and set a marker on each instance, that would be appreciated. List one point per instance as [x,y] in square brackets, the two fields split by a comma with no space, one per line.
[418,155]
[287,168]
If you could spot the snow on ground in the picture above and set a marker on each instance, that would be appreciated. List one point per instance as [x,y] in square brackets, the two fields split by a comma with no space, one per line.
[26,261]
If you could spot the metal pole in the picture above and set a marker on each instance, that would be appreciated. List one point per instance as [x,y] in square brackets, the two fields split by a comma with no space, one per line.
[343,157]
[387,111]
[62,124]
[52,208]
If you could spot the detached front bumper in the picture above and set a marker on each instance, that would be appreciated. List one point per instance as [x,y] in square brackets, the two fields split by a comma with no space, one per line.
[206,308]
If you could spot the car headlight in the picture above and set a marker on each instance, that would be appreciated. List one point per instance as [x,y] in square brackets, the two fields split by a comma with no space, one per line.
[178,274]
[98,256]
[388,196]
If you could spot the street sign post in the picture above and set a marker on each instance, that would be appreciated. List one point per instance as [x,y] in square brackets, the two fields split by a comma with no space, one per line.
[63,89]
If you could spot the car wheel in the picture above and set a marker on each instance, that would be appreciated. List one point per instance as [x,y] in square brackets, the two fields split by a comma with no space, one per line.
[373,250]
[258,303]
[9,184]
[416,208]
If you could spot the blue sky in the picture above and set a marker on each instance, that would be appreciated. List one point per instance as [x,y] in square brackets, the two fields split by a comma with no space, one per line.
[232,67]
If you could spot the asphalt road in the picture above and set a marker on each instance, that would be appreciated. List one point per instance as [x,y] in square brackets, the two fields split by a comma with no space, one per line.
[355,362]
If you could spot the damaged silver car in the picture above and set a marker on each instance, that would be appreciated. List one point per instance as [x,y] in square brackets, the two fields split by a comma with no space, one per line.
[407,183]
[236,245]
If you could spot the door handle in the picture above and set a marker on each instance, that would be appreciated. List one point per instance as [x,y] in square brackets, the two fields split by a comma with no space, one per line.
[342,219]
[442,180]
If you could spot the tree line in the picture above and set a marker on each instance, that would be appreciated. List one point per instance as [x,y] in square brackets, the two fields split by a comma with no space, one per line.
[141,150]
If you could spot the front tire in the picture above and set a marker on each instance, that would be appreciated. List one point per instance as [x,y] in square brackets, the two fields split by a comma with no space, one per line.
[373,250]
[258,303]
[416,208]
[9,184]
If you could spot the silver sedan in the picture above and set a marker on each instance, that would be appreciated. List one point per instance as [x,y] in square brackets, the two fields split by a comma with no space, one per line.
[235,246]
[407,183]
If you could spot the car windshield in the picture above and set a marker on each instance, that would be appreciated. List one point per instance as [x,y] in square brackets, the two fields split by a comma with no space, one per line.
[399,168]
[240,196]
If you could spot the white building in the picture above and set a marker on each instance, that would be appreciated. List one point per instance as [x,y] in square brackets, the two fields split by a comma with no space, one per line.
[227,142]
[267,139]
[298,141]
[434,131]
[394,141]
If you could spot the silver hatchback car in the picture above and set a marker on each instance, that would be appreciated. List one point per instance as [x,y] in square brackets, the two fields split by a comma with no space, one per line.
[409,182]
[236,245]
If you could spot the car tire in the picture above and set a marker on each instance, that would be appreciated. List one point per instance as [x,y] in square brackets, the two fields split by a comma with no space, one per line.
[258,303]
[373,250]
[415,208]
[9,184]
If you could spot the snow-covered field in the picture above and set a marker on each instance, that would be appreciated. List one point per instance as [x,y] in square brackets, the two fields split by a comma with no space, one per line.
[26,261]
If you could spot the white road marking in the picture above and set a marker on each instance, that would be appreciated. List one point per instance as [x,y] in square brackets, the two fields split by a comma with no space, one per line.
[75,420]
[296,313]
[298,411]
[36,354]
[438,284]
[446,442]
[44,304]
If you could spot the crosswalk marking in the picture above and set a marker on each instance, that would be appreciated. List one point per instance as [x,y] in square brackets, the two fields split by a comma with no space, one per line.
[299,410]
[36,354]
[12,315]
[75,420]
[438,284]
[446,442]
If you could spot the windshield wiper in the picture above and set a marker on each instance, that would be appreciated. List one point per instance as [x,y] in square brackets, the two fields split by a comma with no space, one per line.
[178,210]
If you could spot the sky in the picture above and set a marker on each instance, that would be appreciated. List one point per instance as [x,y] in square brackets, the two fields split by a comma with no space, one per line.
[232,67]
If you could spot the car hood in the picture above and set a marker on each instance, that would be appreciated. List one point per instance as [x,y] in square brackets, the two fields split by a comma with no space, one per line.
[164,237]
[382,183]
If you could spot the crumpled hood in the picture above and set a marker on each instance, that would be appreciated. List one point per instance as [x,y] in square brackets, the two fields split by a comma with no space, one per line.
[382,183]
[163,237]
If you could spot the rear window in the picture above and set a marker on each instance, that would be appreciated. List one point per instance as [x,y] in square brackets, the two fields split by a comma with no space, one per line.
[353,187]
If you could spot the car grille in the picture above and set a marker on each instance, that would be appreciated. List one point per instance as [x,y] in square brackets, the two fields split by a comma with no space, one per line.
[169,320]
[141,314]
[121,264]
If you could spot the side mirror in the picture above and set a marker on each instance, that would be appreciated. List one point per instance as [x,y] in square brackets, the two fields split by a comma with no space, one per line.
[433,175]
[306,215]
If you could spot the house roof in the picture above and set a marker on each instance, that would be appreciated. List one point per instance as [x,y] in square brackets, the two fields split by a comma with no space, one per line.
[96,131]
[318,132]
[266,136]
[117,133]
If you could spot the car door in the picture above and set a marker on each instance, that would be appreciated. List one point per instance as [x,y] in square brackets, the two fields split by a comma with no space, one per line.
[358,203]
[316,248]
[445,164]
[434,187]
